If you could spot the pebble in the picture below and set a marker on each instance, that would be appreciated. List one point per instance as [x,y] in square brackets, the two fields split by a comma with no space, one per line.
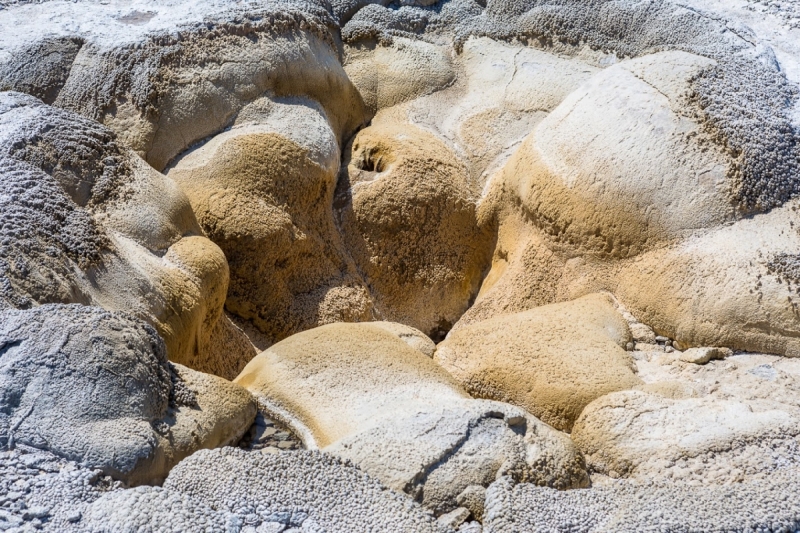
[454,518]
[267,436]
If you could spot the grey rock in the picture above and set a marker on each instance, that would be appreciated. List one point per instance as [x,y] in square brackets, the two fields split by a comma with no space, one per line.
[61,378]
[337,496]
[156,509]
[63,370]
[769,504]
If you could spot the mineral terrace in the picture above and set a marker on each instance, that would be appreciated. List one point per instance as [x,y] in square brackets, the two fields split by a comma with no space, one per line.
[341,266]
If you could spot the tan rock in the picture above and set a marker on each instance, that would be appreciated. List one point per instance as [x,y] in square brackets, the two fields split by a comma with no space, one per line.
[263,191]
[408,217]
[581,190]
[701,356]
[360,392]
[211,412]
[209,77]
[389,75]
[592,179]
[413,337]
[552,360]
[652,217]
[733,286]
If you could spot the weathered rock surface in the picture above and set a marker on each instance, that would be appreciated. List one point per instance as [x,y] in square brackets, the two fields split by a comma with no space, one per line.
[552,361]
[570,220]
[390,75]
[96,387]
[733,286]
[311,491]
[303,491]
[86,221]
[164,76]
[591,177]
[362,393]
[740,377]
[263,191]
[645,436]
[408,215]
[44,492]
[512,154]
[500,93]
[762,505]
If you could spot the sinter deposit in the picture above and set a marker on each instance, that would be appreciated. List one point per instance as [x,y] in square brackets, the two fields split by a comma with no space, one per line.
[499,266]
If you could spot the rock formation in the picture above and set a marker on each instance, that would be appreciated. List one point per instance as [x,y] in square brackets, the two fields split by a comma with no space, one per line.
[553,360]
[85,220]
[360,392]
[96,387]
[471,254]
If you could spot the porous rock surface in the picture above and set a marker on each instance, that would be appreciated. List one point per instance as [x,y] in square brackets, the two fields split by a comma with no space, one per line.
[308,490]
[40,491]
[65,369]
[361,393]
[263,191]
[450,165]
[645,436]
[409,218]
[557,200]
[552,361]
[302,491]
[85,220]
[762,505]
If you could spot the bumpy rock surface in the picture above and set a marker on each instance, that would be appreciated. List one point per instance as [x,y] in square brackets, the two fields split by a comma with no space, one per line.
[390,75]
[557,198]
[303,491]
[552,361]
[446,164]
[166,76]
[263,191]
[645,436]
[65,371]
[44,492]
[85,220]
[156,509]
[311,491]
[593,179]
[409,217]
[763,505]
[362,393]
